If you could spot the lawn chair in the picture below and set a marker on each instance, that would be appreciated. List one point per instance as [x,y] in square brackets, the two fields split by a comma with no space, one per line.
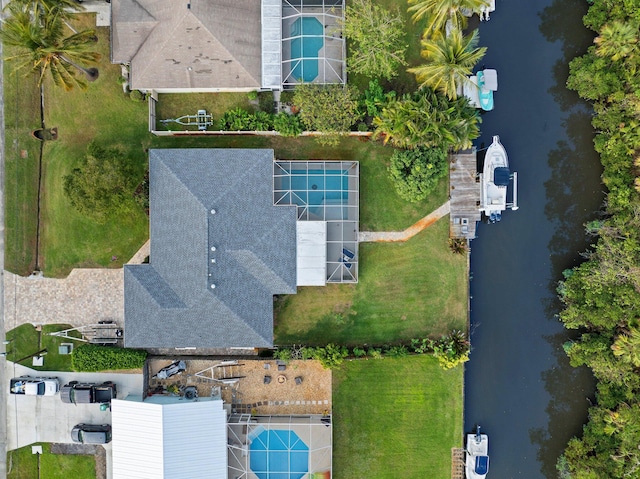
[347,257]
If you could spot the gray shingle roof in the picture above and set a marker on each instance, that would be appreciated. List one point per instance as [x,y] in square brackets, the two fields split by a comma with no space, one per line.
[188,44]
[169,302]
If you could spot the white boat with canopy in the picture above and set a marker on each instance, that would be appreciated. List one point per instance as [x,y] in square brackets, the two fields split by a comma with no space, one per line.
[494,180]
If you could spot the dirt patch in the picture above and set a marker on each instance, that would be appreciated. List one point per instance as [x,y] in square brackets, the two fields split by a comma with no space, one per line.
[263,387]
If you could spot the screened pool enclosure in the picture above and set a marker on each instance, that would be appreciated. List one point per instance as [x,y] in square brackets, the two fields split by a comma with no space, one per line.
[313,50]
[327,199]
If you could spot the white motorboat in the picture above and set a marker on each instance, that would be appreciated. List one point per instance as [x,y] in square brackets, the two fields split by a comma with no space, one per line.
[494,179]
[477,455]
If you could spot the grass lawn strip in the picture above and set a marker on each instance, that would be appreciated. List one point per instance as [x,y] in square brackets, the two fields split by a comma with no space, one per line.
[26,341]
[22,464]
[405,290]
[396,418]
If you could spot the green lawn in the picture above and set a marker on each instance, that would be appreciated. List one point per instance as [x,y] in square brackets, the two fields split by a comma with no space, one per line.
[22,464]
[26,341]
[396,418]
[405,290]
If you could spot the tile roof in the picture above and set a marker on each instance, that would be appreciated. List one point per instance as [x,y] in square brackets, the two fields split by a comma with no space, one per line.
[169,302]
[188,44]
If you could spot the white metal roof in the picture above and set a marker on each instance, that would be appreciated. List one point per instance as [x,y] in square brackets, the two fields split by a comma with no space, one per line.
[186,439]
[311,253]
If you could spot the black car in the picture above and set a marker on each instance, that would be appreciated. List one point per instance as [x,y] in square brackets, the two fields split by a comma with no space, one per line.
[91,433]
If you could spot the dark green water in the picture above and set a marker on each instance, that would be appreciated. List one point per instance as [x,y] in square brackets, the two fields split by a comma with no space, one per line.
[519,385]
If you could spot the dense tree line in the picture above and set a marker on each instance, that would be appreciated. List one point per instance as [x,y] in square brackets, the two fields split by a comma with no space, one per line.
[602,295]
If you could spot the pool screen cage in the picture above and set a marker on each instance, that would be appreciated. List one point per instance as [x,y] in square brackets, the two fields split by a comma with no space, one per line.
[295,435]
[326,191]
[313,47]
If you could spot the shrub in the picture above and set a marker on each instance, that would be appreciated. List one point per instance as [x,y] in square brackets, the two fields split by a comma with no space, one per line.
[451,350]
[416,172]
[287,125]
[283,354]
[92,357]
[330,356]
[420,346]
[375,98]
[266,102]
[359,352]
[286,97]
[103,185]
[136,95]
[375,353]
[458,245]
[397,352]
[252,95]
[235,120]
[260,121]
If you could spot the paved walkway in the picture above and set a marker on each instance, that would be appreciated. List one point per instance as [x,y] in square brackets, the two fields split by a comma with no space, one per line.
[411,231]
[84,297]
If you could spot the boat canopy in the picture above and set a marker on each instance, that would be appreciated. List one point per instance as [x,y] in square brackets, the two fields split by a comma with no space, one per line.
[482,465]
[501,176]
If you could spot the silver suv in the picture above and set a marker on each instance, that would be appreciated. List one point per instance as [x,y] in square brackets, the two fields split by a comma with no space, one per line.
[91,433]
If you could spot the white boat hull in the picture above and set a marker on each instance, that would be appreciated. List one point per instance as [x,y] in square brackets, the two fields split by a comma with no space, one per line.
[494,180]
[477,456]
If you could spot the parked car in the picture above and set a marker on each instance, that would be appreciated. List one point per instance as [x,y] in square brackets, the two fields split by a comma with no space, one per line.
[91,433]
[30,386]
[85,393]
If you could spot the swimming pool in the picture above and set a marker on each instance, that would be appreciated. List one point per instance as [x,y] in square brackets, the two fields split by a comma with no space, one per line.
[305,48]
[278,454]
[317,187]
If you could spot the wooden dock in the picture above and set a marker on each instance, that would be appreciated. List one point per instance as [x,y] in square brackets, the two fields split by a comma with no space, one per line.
[464,192]
[457,463]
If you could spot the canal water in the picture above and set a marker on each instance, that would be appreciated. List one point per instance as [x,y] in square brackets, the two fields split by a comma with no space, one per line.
[518,384]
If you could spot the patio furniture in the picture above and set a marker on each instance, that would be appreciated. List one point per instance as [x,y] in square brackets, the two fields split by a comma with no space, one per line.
[267,379]
[298,380]
[347,257]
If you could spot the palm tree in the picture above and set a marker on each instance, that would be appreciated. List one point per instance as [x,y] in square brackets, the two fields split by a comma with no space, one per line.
[627,347]
[450,60]
[42,46]
[439,12]
[428,119]
[617,40]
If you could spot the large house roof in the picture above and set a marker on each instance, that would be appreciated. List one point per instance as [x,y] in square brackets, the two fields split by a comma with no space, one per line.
[170,302]
[188,44]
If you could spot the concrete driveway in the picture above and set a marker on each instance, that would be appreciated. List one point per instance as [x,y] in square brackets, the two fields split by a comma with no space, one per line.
[47,419]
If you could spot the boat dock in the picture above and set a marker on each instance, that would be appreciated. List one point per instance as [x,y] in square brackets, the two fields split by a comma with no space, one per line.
[464,193]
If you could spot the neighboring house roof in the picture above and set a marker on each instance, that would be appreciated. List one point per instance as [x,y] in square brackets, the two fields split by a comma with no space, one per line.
[169,302]
[152,440]
[188,44]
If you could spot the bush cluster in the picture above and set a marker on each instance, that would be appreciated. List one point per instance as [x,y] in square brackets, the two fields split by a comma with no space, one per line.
[93,357]
[241,120]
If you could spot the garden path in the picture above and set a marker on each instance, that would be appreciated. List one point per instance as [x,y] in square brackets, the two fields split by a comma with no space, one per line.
[411,231]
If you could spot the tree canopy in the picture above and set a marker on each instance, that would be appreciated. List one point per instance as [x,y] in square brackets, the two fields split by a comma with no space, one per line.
[602,296]
[415,173]
[377,39]
[329,109]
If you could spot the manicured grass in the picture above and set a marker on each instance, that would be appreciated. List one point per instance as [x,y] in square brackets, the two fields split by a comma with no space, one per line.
[26,341]
[405,290]
[22,115]
[396,418]
[22,464]
[102,113]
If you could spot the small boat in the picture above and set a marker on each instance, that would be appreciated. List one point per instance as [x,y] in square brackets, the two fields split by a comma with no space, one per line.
[477,459]
[494,180]
[487,81]
[479,88]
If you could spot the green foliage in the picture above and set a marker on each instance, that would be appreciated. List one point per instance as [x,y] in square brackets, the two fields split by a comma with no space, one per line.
[287,125]
[92,357]
[602,296]
[236,119]
[136,95]
[428,119]
[377,39]
[397,351]
[261,121]
[328,109]
[286,97]
[359,352]
[375,353]
[415,173]
[451,350]
[438,12]
[330,356]
[252,95]
[375,98]
[283,354]
[103,185]
[266,102]
[420,346]
[458,245]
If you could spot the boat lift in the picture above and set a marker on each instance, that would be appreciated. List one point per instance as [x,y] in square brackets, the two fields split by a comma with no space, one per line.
[202,120]
[105,332]
[514,205]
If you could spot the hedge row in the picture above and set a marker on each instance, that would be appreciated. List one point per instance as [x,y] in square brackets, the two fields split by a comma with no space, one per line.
[92,357]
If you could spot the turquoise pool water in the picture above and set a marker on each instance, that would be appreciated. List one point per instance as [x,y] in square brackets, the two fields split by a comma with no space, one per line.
[316,187]
[305,48]
[279,454]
